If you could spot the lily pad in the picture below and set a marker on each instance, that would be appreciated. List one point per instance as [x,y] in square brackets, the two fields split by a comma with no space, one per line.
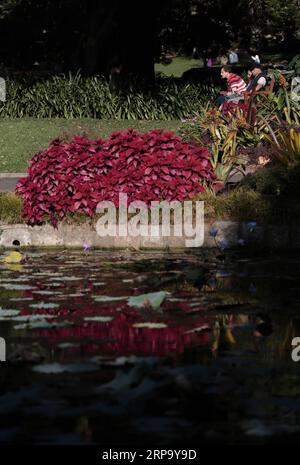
[57,368]
[107,298]
[124,360]
[34,317]
[43,324]
[103,319]
[154,299]
[47,273]
[44,305]
[7,313]
[46,292]
[17,287]
[67,345]
[150,325]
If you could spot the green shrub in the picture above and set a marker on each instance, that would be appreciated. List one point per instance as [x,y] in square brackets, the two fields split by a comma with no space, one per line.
[275,179]
[94,97]
[239,204]
[10,208]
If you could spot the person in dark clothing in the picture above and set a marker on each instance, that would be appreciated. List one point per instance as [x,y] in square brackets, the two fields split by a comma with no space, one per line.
[258,79]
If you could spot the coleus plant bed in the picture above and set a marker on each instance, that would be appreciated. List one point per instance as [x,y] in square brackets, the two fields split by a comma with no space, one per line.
[75,177]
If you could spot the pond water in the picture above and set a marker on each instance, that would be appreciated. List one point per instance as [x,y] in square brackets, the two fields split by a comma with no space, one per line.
[138,348]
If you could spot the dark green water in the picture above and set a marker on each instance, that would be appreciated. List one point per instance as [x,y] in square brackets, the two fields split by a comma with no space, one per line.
[89,363]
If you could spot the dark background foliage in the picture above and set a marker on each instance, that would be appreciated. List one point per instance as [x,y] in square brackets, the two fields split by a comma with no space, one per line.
[113,37]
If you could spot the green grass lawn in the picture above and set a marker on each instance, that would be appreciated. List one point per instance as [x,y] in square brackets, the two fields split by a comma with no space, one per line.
[178,66]
[21,139]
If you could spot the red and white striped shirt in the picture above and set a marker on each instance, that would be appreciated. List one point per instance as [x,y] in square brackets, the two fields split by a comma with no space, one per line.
[235,84]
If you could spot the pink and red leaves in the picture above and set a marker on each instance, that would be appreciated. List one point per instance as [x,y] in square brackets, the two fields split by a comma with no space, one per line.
[75,177]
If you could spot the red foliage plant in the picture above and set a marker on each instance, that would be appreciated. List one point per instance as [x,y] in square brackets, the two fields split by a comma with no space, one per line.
[75,177]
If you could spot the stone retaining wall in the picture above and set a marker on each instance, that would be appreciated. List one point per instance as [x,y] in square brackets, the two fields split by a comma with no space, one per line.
[230,234]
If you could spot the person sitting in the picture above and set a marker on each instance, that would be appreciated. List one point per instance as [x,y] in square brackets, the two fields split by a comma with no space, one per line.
[233,57]
[258,78]
[236,86]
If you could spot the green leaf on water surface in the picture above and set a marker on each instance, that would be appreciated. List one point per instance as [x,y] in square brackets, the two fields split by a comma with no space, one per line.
[32,317]
[8,313]
[67,278]
[44,305]
[107,298]
[36,254]
[43,324]
[150,325]
[155,299]
[67,345]
[47,292]
[103,319]
[57,368]
[123,360]
[17,287]
[47,273]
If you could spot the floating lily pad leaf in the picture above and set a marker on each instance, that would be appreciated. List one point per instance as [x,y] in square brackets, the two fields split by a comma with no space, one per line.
[67,278]
[47,273]
[103,319]
[67,345]
[99,284]
[155,299]
[121,361]
[21,299]
[36,254]
[32,317]
[6,313]
[150,325]
[198,330]
[128,280]
[56,368]
[17,287]
[107,298]
[46,292]
[43,325]
[44,305]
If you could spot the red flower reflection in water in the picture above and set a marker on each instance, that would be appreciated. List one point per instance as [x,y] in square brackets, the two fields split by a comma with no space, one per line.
[120,336]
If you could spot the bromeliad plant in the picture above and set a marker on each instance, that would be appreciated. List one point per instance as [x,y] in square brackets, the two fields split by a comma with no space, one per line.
[75,177]
[286,144]
[223,135]
[280,102]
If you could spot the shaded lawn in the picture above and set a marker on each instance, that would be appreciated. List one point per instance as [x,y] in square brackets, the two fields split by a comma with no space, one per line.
[21,139]
[178,66]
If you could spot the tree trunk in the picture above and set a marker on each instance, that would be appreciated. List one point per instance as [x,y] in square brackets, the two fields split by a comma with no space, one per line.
[120,35]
